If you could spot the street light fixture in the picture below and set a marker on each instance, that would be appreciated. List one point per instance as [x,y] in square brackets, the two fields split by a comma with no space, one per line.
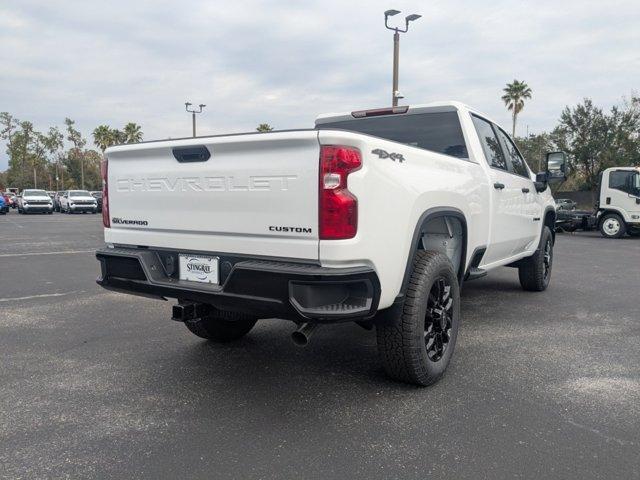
[193,113]
[395,94]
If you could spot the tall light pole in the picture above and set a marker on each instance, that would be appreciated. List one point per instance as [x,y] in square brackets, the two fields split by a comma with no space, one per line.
[193,114]
[395,94]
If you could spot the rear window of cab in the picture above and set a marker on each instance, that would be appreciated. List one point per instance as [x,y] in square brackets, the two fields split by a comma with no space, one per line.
[438,132]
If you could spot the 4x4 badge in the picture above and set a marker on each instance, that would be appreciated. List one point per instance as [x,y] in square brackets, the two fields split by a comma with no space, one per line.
[384,154]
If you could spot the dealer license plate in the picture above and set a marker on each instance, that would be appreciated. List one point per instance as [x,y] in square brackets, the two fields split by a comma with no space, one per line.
[197,268]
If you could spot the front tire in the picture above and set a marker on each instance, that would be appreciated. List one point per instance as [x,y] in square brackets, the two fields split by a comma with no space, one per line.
[416,346]
[222,326]
[612,226]
[535,271]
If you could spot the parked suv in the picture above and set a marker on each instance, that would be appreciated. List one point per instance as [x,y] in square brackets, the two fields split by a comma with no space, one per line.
[4,205]
[35,201]
[9,199]
[375,217]
[74,201]
[98,197]
[56,200]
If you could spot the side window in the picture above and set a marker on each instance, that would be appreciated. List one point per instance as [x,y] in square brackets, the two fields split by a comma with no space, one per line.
[490,145]
[517,162]
[624,180]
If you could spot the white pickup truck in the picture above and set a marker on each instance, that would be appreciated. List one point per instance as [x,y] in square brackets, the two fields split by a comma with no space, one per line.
[375,217]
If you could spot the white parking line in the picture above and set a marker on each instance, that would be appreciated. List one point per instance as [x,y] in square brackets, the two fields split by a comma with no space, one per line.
[16,224]
[15,299]
[64,252]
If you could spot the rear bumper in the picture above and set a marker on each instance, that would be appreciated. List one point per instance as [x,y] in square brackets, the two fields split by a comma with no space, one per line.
[264,288]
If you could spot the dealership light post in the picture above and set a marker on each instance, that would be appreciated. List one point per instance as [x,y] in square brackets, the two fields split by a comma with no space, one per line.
[193,114]
[395,95]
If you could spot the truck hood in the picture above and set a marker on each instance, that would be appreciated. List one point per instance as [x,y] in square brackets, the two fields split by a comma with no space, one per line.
[36,198]
[84,198]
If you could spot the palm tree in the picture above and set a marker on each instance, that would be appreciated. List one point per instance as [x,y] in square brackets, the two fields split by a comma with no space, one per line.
[102,137]
[514,96]
[132,133]
[264,127]
[119,137]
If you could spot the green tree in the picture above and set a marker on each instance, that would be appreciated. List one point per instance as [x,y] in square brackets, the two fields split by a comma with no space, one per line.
[75,158]
[585,133]
[264,127]
[132,133]
[624,147]
[55,146]
[534,149]
[8,128]
[514,96]
[103,137]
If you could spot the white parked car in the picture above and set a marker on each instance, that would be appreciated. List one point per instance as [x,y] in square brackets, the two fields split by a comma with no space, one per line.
[619,202]
[375,217]
[74,201]
[35,201]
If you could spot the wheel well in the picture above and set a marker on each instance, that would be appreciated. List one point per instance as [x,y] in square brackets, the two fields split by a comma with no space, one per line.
[550,221]
[604,212]
[444,234]
[443,230]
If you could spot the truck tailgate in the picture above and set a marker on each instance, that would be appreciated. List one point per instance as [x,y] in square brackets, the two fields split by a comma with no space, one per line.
[256,194]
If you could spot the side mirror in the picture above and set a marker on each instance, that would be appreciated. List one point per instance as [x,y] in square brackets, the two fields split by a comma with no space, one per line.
[556,167]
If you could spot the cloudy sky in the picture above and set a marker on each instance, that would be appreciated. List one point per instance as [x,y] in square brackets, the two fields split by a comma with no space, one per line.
[284,62]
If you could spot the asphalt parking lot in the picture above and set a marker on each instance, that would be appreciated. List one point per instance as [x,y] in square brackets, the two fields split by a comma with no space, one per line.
[102,385]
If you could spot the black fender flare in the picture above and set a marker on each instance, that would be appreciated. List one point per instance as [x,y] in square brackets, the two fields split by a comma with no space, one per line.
[419,230]
[549,211]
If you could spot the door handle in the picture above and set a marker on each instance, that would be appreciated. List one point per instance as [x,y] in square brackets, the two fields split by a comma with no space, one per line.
[525,190]
[498,186]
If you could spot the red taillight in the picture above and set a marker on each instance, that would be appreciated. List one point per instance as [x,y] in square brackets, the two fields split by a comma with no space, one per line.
[338,207]
[104,170]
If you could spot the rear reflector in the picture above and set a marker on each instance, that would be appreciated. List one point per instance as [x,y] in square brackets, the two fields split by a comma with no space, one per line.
[104,170]
[380,111]
[338,208]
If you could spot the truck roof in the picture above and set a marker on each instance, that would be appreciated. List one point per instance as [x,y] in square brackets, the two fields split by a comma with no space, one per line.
[621,168]
[433,107]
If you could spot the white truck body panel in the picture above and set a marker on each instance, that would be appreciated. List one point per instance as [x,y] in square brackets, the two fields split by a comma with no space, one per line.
[618,200]
[254,182]
[228,203]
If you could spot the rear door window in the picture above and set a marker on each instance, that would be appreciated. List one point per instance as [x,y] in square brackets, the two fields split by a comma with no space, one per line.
[490,145]
[517,162]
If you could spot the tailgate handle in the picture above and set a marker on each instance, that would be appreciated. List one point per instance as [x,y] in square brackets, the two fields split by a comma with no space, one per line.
[192,154]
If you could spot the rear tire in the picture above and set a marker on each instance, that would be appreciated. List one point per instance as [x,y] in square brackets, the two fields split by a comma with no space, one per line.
[535,271]
[222,326]
[612,226]
[416,346]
